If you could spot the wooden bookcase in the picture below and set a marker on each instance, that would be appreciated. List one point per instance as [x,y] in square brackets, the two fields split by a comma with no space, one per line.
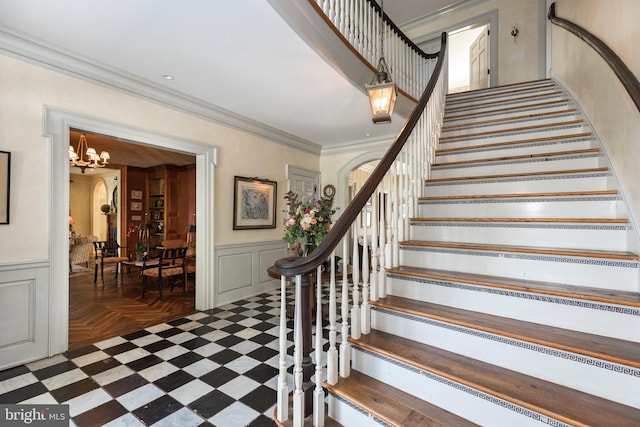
[162,203]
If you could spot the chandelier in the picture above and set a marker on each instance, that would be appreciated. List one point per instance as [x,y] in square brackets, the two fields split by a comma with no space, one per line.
[382,91]
[77,157]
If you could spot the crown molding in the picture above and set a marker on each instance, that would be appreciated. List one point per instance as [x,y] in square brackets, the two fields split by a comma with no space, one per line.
[417,23]
[38,53]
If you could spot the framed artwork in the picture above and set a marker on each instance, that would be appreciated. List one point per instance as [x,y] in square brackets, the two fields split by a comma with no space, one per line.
[254,203]
[136,194]
[5,178]
[136,206]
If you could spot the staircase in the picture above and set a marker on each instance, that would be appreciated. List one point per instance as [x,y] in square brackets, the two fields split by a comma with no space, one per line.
[516,300]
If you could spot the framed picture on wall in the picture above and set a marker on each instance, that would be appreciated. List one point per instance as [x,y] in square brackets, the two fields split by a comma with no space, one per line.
[254,203]
[5,175]
[136,206]
[136,194]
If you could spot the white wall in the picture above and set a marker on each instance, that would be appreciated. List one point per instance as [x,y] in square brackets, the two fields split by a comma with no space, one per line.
[517,61]
[600,94]
[25,89]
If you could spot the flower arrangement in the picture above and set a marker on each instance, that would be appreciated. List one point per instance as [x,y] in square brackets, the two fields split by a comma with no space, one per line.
[308,223]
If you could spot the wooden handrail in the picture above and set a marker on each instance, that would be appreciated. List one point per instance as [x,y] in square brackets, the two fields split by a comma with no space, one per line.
[625,75]
[293,266]
[400,34]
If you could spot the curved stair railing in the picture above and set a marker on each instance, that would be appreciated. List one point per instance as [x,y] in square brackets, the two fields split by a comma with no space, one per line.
[624,74]
[390,195]
[359,23]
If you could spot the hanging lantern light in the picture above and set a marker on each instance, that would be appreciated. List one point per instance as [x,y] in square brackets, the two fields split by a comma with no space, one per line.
[382,90]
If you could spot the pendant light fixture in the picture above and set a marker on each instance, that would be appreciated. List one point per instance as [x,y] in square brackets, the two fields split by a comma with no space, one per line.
[382,90]
[77,157]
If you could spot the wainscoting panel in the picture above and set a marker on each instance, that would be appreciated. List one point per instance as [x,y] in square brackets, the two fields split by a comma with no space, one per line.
[241,270]
[24,313]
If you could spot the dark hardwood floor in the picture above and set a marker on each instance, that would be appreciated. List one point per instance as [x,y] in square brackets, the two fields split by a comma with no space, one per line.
[96,314]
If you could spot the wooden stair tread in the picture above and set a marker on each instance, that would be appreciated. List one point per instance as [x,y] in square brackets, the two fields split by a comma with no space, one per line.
[521,195]
[445,139]
[442,151]
[531,220]
[562,403]
[505,110]
[392,405]
[627,256]
[495,93]
[517,175]
[507,119]
[499,87]
[520,157]
[608,296]
[502,101]
[599,347]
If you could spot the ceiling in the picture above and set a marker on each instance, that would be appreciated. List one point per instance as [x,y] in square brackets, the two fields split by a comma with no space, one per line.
[238,58]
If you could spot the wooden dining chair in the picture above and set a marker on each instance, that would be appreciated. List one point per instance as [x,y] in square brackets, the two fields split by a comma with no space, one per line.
[171,264]
[108,253]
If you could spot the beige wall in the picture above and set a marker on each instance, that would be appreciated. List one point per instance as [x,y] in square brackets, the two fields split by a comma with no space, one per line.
[603,98]
[517,61]
[25,89]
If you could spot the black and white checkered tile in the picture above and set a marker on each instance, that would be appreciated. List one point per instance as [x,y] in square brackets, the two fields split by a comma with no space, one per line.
[217,367]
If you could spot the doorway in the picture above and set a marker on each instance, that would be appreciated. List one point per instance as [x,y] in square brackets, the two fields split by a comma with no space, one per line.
[98,312]
[57,126]
[469,55]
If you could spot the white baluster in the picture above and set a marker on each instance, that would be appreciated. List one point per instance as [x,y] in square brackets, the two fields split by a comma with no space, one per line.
[395,252]
[365,310]
[318,394]
[332,354]
[283,388]
[355,276]
[382,282]
[345,346]
[298,394]
[388,259]
[374,247]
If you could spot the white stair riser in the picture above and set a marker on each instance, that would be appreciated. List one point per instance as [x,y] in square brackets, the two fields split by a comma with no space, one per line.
[579,271]
[346,414]
[537,85]
[541,184]
[503,96]
[535,207]
[568,369]
[604,237]
[492,127]
[460,400]
[579,315]
[517,150]
[480,106]
[454,118]
[507,136]
[540,164]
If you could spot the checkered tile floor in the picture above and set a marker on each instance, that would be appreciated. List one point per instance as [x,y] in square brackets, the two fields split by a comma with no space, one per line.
[217,367]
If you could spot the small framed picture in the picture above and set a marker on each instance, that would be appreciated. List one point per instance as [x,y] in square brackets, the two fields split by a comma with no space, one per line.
[136,194]
[254,203]
[136,218]
[136,206]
